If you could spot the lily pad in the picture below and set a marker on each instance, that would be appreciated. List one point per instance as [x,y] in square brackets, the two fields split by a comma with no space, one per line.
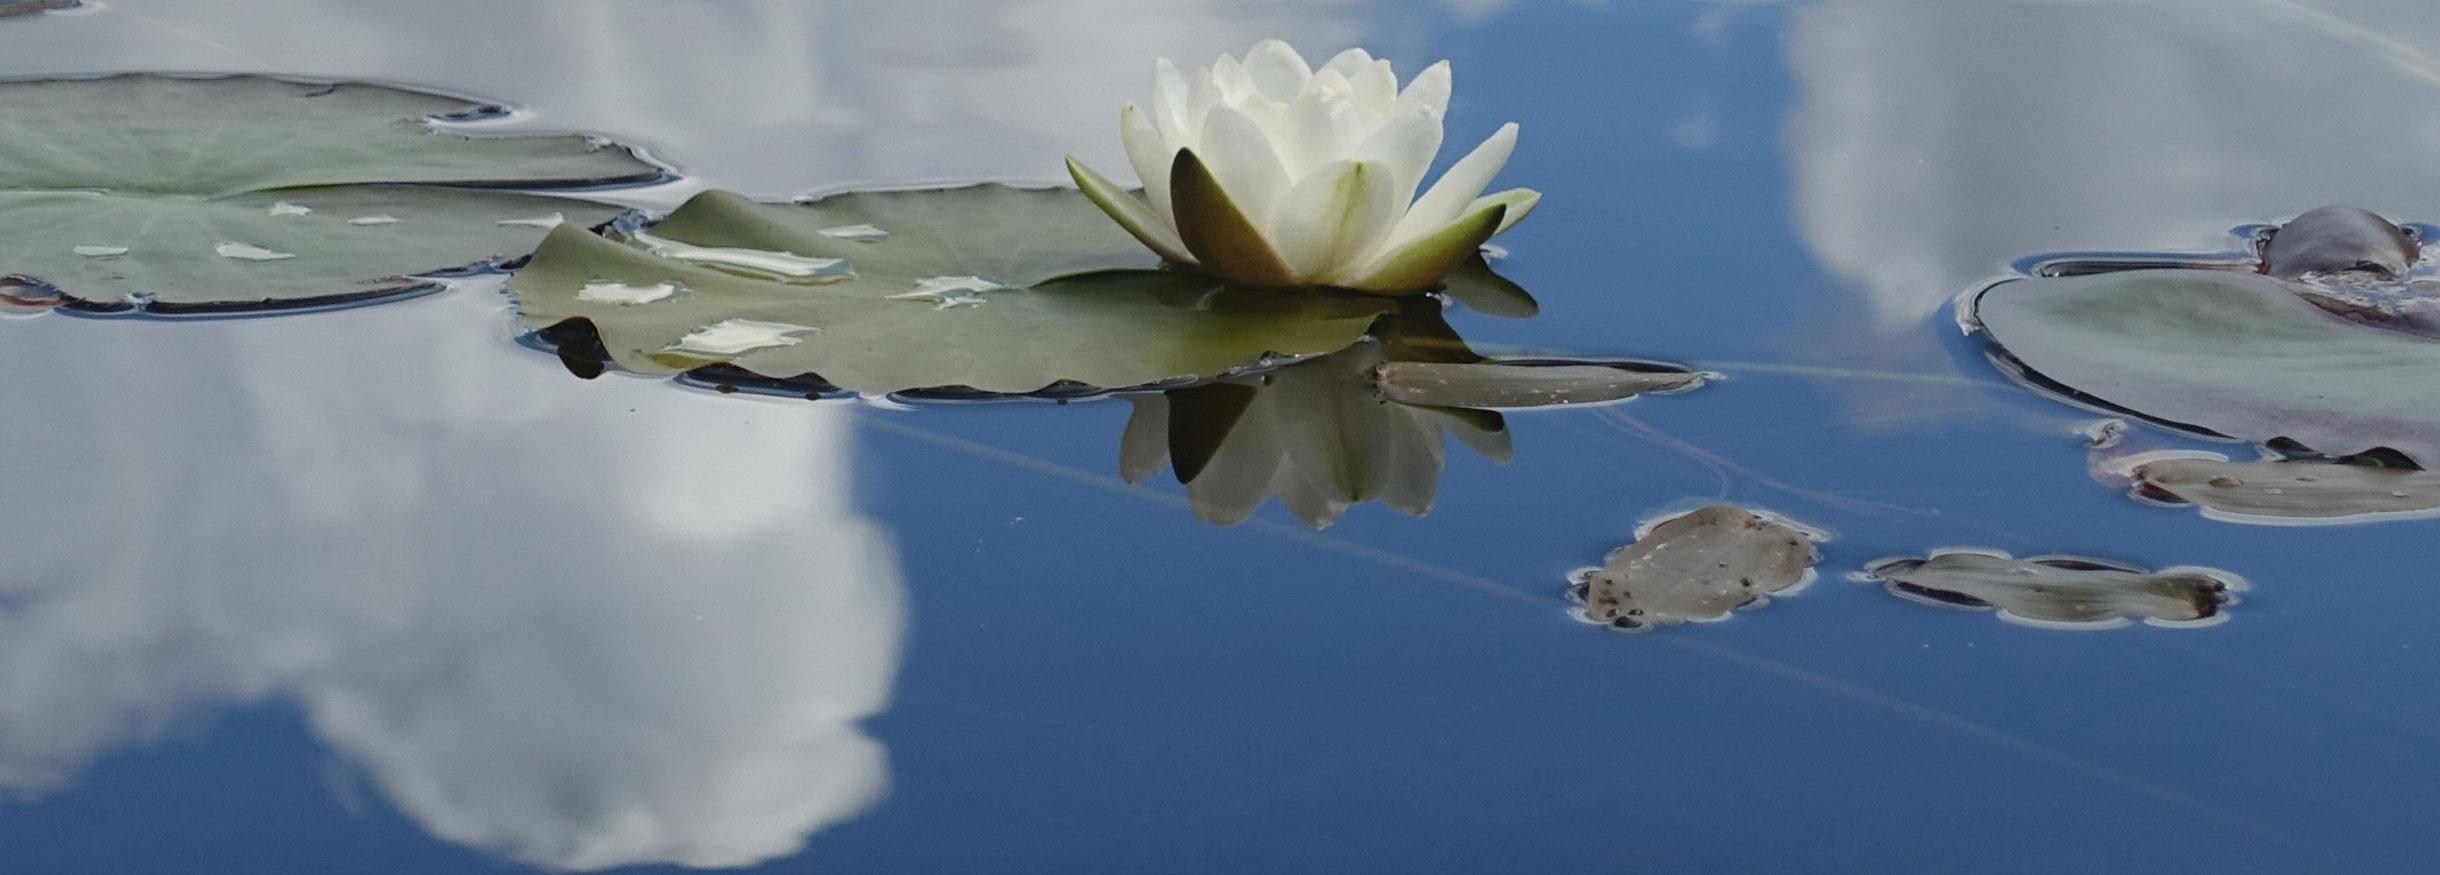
[2288,491]
[1519,383]
[1698,567]
[247,192]
[2068,592]
[1313,433]
[27,7]
[2235,355]
[987,287]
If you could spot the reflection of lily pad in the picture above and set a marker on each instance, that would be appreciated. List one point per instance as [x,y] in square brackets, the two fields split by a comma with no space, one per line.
[1313,433]
[2288,490]
[246,192]
[2240,355]
[2060,591]
[987,287]
[1697,567]
[1515,383]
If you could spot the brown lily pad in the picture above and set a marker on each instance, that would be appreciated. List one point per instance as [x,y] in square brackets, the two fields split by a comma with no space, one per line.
[1698,567]
[2068,592]
[2291,491]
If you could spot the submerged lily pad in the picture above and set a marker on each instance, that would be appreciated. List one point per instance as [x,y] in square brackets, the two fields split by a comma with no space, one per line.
[986,287]
[2061,591]
[248,192]
[2237,355]
[1314,433]
[2299,490]
[1698,567]
[1517,383]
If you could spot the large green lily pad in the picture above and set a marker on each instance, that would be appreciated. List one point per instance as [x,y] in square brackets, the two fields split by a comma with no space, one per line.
[2240,355]
[987,287]
[250,192]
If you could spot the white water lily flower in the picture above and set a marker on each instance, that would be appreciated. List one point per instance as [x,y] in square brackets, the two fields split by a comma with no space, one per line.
[1270,173]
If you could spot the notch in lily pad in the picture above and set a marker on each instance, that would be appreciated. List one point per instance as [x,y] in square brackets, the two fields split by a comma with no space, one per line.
[199,195]
[2060,592]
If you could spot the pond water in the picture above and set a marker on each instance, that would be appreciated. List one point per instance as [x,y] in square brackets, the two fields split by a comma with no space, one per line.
[382,590]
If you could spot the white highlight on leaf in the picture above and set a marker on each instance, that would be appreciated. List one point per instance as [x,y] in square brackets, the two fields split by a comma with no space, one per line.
[608,292]
[949,291]
[288,208]
[734,336]
[550,221]
[864,233]
[249,252]
[373,220]
[100,251]
[755,262]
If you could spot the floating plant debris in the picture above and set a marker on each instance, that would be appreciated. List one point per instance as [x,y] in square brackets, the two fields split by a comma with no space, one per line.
[1697,567]
[373,220]
[99,251]
[2232,354]
[2060,591]
[1070,298]
[165,174]
[1518,383]
[2333,240]
[2286,491]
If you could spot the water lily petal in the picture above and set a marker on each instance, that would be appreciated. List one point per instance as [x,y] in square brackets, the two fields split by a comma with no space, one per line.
[1376,87]
[1331,83]
[1201,95]
[1149,154]
[1419,264]
[1334,218]
[1150,228]
[1276,70]
[1348,62]
[1406,143]
[1169,102]
[1430,89]
[1216,228]
[1239,153]
[1234,85]
[1519,201]
[1448,198]
[1319,128]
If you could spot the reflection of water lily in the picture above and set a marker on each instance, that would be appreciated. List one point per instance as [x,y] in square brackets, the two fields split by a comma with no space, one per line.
[1268,172]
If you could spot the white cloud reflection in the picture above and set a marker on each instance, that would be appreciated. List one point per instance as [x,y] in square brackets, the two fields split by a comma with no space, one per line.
[768,96]
[1936,142]
[581,625]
